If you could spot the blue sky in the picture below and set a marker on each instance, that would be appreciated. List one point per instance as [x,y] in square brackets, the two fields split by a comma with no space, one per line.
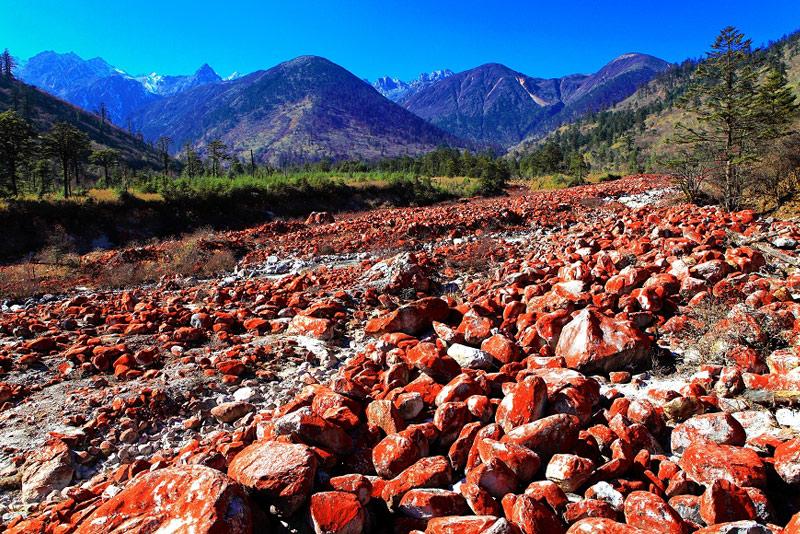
[371,38]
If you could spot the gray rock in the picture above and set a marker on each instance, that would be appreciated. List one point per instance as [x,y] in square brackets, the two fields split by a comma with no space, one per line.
[229,412]
[470,357]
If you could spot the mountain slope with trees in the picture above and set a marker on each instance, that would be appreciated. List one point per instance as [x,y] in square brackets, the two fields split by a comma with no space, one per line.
[40,122]
[675,124]
[497,106]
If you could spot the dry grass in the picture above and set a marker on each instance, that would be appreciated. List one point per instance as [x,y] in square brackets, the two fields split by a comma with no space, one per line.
[56,269]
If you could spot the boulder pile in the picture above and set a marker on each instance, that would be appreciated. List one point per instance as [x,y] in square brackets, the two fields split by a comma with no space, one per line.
[565,367]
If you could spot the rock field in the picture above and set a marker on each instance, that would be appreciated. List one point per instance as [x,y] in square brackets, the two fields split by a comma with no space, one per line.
[601,359]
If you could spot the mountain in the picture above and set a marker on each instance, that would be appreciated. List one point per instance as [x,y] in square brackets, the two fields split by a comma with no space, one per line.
[306,108]
[88,83]
[636,134]
[497,106]
[170,85]
[121,95]
[59,74]
[396,90]
[42,110]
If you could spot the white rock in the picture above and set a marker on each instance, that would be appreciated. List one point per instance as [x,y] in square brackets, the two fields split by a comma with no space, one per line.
[243,394]
[788,417]
[470,357]
[606,492]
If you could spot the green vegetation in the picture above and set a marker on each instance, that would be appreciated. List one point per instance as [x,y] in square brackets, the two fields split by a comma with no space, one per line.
[737,106]
[725,127]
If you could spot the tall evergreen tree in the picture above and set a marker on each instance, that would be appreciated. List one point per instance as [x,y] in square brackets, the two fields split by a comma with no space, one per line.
[7,64]
[723,98]
[69,145]
[15,134]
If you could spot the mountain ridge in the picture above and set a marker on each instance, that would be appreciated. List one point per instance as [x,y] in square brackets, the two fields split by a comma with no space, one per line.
[304,108]
[493,104]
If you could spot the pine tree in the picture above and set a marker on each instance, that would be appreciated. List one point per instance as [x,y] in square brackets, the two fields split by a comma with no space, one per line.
[776,105]
[69,145]
[217,152]
[15,134]
[7,64]
[723,98]
[162,144]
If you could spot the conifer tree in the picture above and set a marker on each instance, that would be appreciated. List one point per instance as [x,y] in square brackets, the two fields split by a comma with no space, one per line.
[723,98]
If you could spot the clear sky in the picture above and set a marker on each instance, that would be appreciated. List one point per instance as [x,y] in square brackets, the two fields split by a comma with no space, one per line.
[375,38]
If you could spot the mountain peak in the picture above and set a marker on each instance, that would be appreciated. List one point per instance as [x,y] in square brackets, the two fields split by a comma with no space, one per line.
[493,104]
[396,89]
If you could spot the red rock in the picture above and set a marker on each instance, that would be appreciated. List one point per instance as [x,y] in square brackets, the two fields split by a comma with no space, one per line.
[358,485]
[568,471]
[548,492]
[599,525]
[479,500]
[412,318]
[337,512]
[592,342]
[501,348]
[459,389]
[550,325]
[524,403]
[460,448]
[256,323]
[188,334]
[283,473]
[191,497]
[382,414]
[311,429]
[787,461]
[336,408]
[450,418]
[42,345]
[475,328]
[432,502]
[398,451]
[432,361]
[430,472]
[313,326]
[531,516]
[495,477]
[460,524]
[547,436]
[576,511]
[793,525]
[719,427]
[522,461]
[705,462]
[651,513]
[723,502]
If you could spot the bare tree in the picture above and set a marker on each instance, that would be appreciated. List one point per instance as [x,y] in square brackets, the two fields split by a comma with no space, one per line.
[162,145]
[102,112]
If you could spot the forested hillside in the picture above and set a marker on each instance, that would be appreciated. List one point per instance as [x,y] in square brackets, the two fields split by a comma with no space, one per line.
[635,135]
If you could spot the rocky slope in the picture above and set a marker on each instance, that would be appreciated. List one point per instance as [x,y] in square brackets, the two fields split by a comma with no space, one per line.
[499,365]
[495,105]
[306,108]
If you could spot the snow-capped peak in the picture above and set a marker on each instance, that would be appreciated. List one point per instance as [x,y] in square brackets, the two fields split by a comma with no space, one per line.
[396,89]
